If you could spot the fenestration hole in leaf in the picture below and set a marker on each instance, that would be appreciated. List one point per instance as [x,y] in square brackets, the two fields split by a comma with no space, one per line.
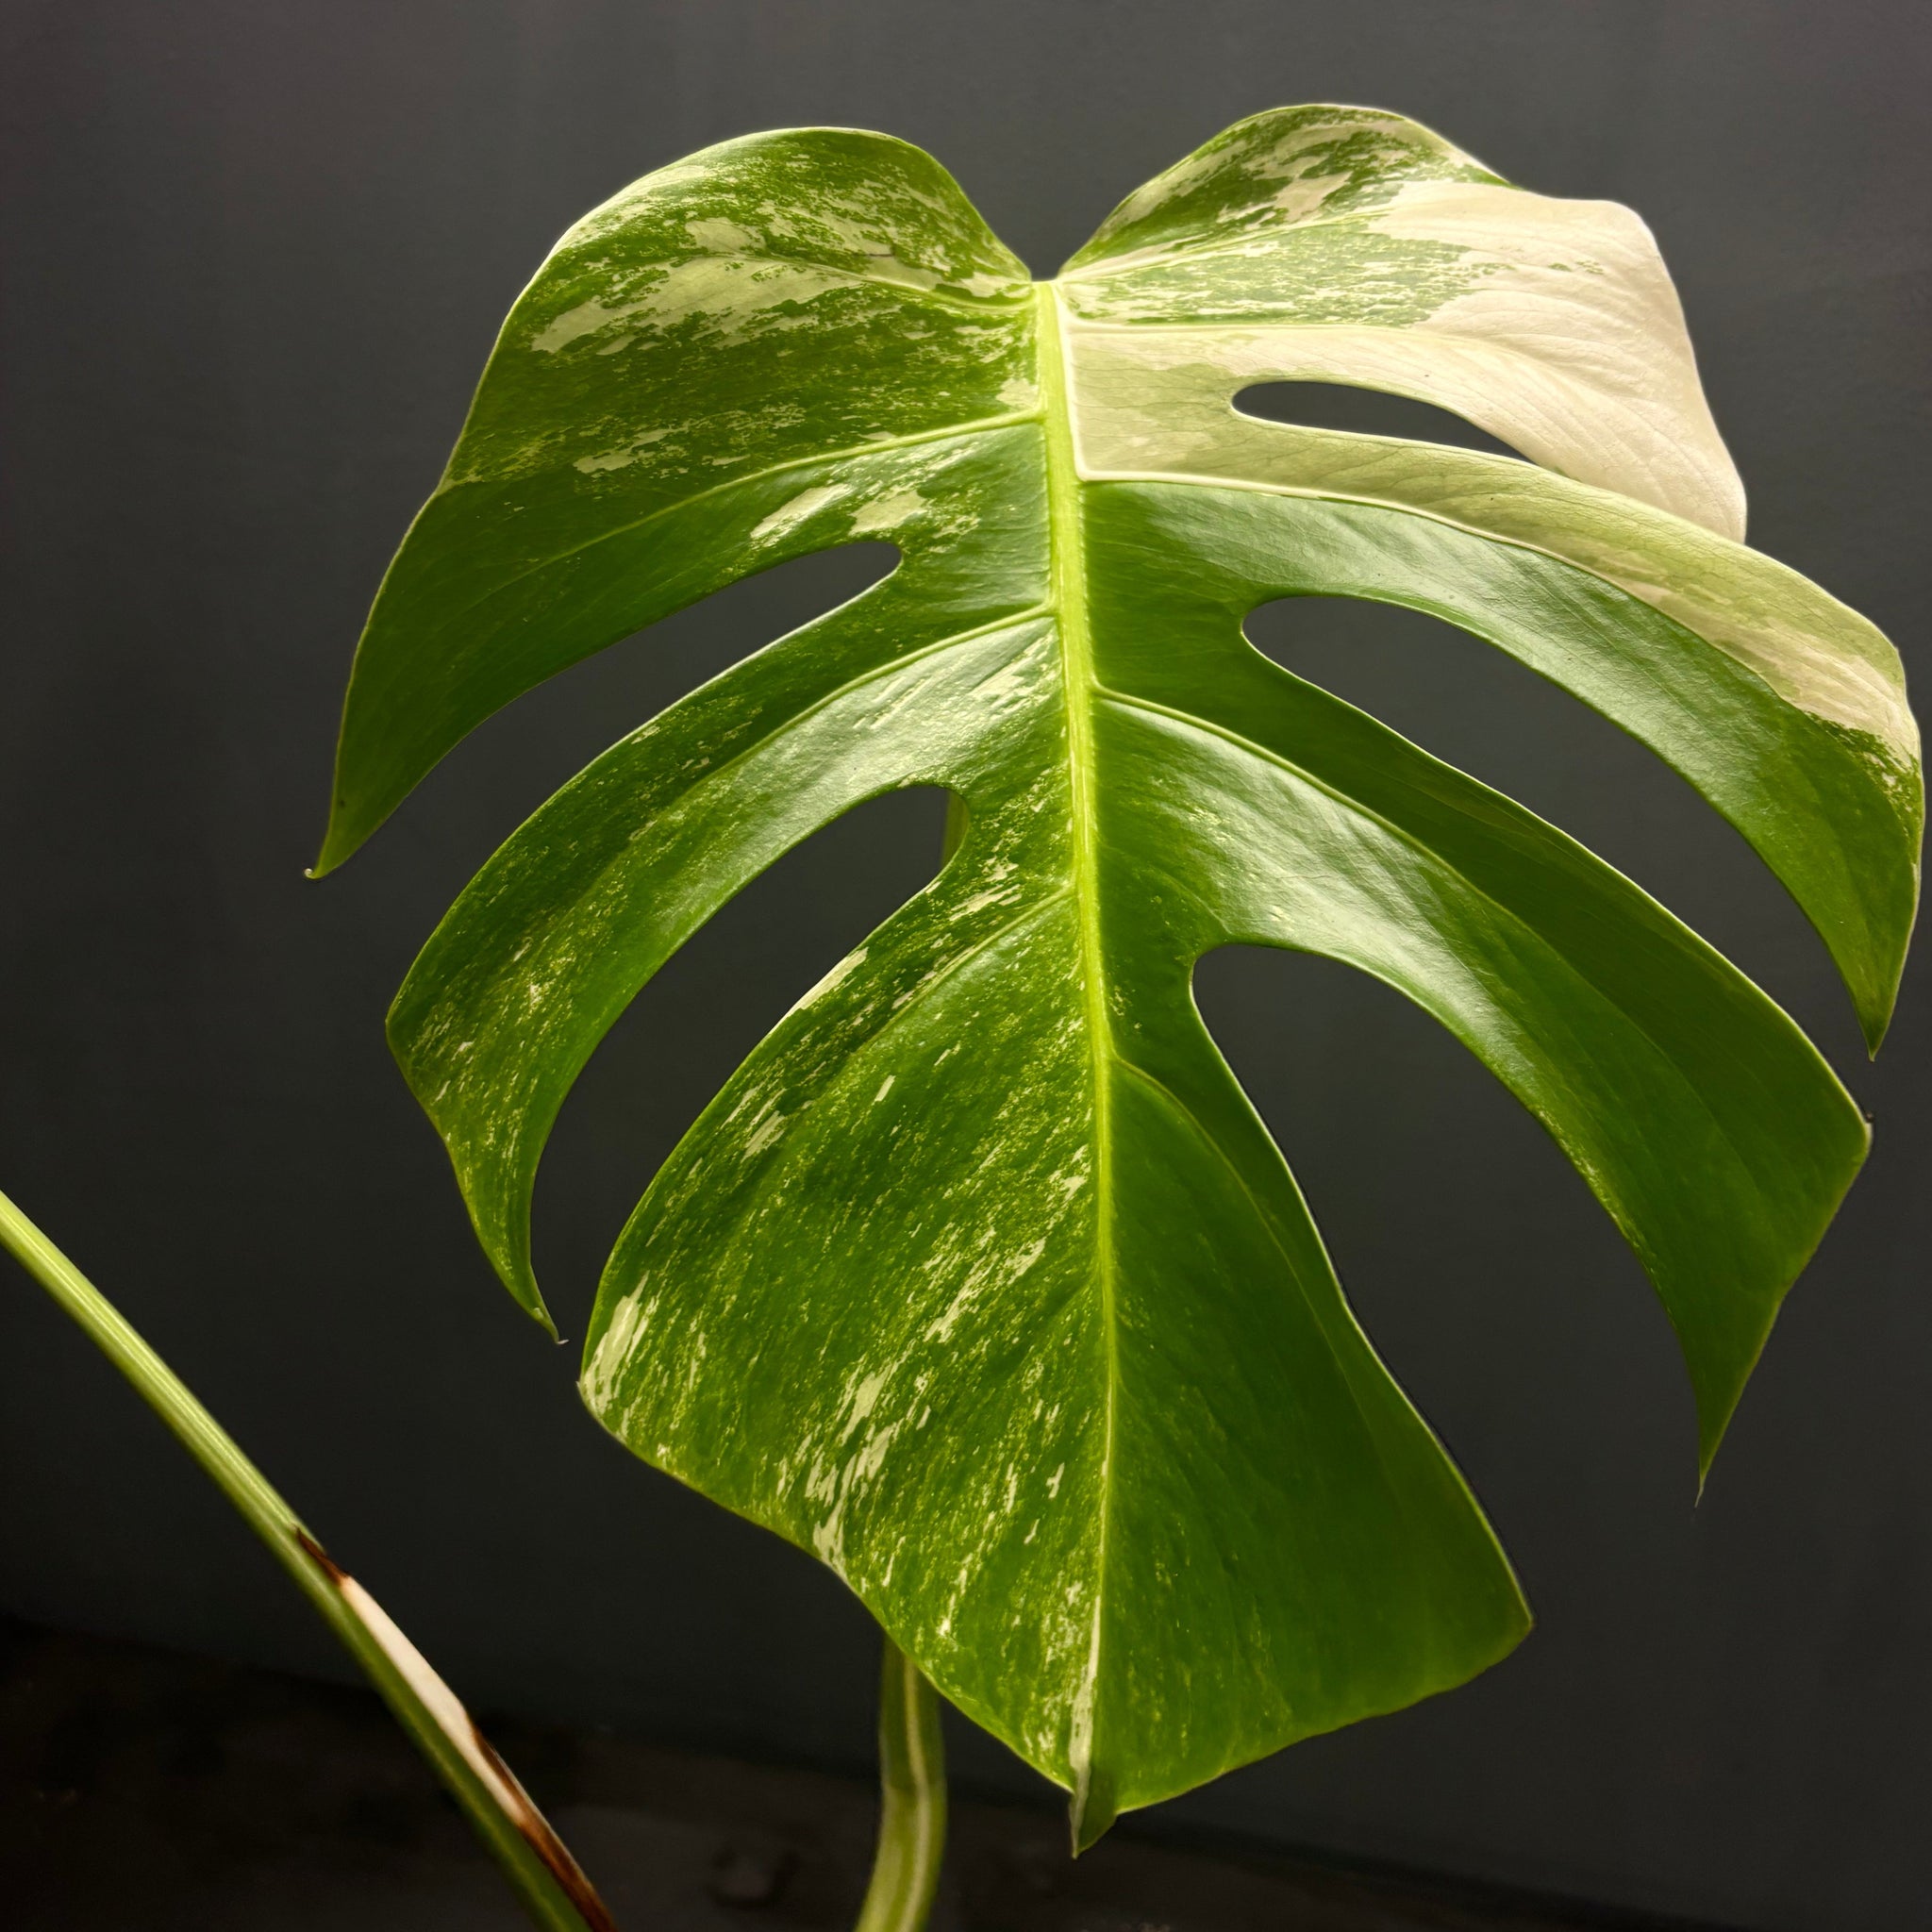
[1484,1271]
[1365,413]
[1476,708]
[511,763]
[684,1035]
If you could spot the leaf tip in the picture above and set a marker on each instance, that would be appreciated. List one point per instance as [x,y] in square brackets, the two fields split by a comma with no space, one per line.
[1874,1025]
[327,858]
[1712,1423]
[515,1272]
[1091,1811]
[337,845]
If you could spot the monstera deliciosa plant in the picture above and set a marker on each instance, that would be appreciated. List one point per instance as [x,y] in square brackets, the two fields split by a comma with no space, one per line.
[981,1278]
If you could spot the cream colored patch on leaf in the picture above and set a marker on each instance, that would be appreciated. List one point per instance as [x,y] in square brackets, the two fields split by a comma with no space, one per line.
[605,1369]
[620,458]
[1551,323]
[728,292]
[836,977]
[718,236]
[1303,196]
[887,512]
[788,516]
[586,319]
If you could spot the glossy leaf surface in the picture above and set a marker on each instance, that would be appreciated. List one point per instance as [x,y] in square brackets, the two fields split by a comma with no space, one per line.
[981,1278]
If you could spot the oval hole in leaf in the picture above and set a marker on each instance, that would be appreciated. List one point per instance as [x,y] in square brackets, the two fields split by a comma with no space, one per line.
[684,1035]
[1365,413]
[1478,708]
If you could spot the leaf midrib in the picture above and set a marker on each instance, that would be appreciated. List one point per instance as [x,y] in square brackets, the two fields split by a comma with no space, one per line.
[1068,593]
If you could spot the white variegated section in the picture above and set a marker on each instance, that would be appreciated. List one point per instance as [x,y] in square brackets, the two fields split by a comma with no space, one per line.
[1290,160]
[1137,419]
[1557,330]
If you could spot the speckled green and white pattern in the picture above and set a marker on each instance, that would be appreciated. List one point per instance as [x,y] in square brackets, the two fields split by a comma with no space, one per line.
[1336,244]
[981,1278]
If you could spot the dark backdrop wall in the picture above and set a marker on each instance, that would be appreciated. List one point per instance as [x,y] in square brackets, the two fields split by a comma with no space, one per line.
[255,253]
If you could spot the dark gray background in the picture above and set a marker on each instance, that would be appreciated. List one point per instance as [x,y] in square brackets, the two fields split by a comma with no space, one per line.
[254,254]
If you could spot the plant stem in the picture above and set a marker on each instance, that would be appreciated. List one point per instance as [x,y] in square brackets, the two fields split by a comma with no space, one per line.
[912,1753]
[553,1890]
[912,1808]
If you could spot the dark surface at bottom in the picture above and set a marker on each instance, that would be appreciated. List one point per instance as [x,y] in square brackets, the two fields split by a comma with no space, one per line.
[144,1790]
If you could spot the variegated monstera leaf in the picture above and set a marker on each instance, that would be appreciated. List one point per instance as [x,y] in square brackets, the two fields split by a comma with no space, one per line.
[981,1278]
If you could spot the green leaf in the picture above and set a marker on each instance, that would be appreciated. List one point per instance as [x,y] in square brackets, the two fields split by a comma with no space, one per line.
[981,1278]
